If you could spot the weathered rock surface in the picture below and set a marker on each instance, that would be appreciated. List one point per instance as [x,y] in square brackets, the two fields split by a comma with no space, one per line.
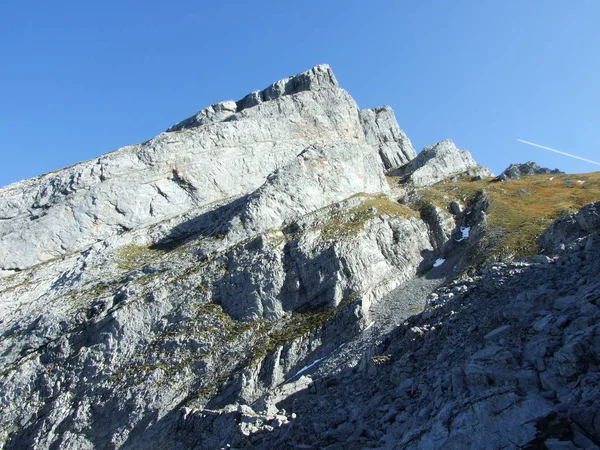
[529,168]
[318,78]
[569,228]
[510,359]
[319,176]
[68,210]
[155,273]
[247,280]
[382,131]
[439,162]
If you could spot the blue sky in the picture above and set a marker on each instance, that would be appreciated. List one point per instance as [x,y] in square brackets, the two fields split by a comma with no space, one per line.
[78,79]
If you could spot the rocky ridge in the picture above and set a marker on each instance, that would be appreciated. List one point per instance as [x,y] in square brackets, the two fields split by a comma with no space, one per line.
[528,168]
[193,166]
[438,162]
[155,298]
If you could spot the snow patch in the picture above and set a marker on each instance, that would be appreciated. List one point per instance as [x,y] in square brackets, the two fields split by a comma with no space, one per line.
[438,262]
[466,231]
[305,368]
[315,362]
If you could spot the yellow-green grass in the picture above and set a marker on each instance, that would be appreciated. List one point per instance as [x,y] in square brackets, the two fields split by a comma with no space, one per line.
[130,257]
[343,223]
[522,208]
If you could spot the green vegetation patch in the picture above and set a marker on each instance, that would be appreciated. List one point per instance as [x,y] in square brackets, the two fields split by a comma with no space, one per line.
[297,325]
[520,209]
[131,257]
[209,324]
[346,223]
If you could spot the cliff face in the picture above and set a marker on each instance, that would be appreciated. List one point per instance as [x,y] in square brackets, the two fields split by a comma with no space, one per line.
[179,292]
[218,154]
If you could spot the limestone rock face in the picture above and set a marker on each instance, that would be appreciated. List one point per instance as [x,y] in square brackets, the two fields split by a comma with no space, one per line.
[140,281]
[438,162]
[218,156]
[319,176]
[318,78]
[383,132]
[248,279]
[507,360]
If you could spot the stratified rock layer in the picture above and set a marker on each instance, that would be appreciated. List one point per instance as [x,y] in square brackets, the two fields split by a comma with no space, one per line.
[248,280]
[510,359]
[383,132]
[224,152]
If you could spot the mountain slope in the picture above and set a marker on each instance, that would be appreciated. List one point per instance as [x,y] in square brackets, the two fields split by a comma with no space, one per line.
[159,295]
[507,360]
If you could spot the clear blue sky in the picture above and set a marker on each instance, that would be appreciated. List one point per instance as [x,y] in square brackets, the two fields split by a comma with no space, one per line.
[78,79]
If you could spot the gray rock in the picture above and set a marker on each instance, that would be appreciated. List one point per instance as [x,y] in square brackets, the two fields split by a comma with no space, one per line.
[497,333]
[139,185]
[138,266]
[529,168]
[382,131]
[441,225]
[438,162]
[319,176]
[315,79]
[461,376]
[568,229]
[262,289]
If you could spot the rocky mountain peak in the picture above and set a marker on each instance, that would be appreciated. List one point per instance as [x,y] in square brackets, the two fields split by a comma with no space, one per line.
[315,79]
[382,130]
[199,162]
[285,271]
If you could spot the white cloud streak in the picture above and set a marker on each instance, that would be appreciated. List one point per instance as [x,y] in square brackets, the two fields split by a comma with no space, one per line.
[559,152]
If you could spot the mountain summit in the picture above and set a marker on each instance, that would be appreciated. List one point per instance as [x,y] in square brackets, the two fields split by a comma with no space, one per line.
[226,150]
[284,271]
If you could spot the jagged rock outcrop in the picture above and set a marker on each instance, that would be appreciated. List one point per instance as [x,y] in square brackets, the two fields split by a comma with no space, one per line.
[194,165]
[382,131]
[319,176]
[318,78]
[438,162]
[569,228]
[510,359]
[441,224]
[234,243]
[529,168]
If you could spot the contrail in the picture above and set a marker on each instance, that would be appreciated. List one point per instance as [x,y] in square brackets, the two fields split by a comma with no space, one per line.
[558,151]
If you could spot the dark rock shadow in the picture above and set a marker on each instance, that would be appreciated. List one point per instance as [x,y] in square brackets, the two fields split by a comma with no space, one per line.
[214,223]
[353,390]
